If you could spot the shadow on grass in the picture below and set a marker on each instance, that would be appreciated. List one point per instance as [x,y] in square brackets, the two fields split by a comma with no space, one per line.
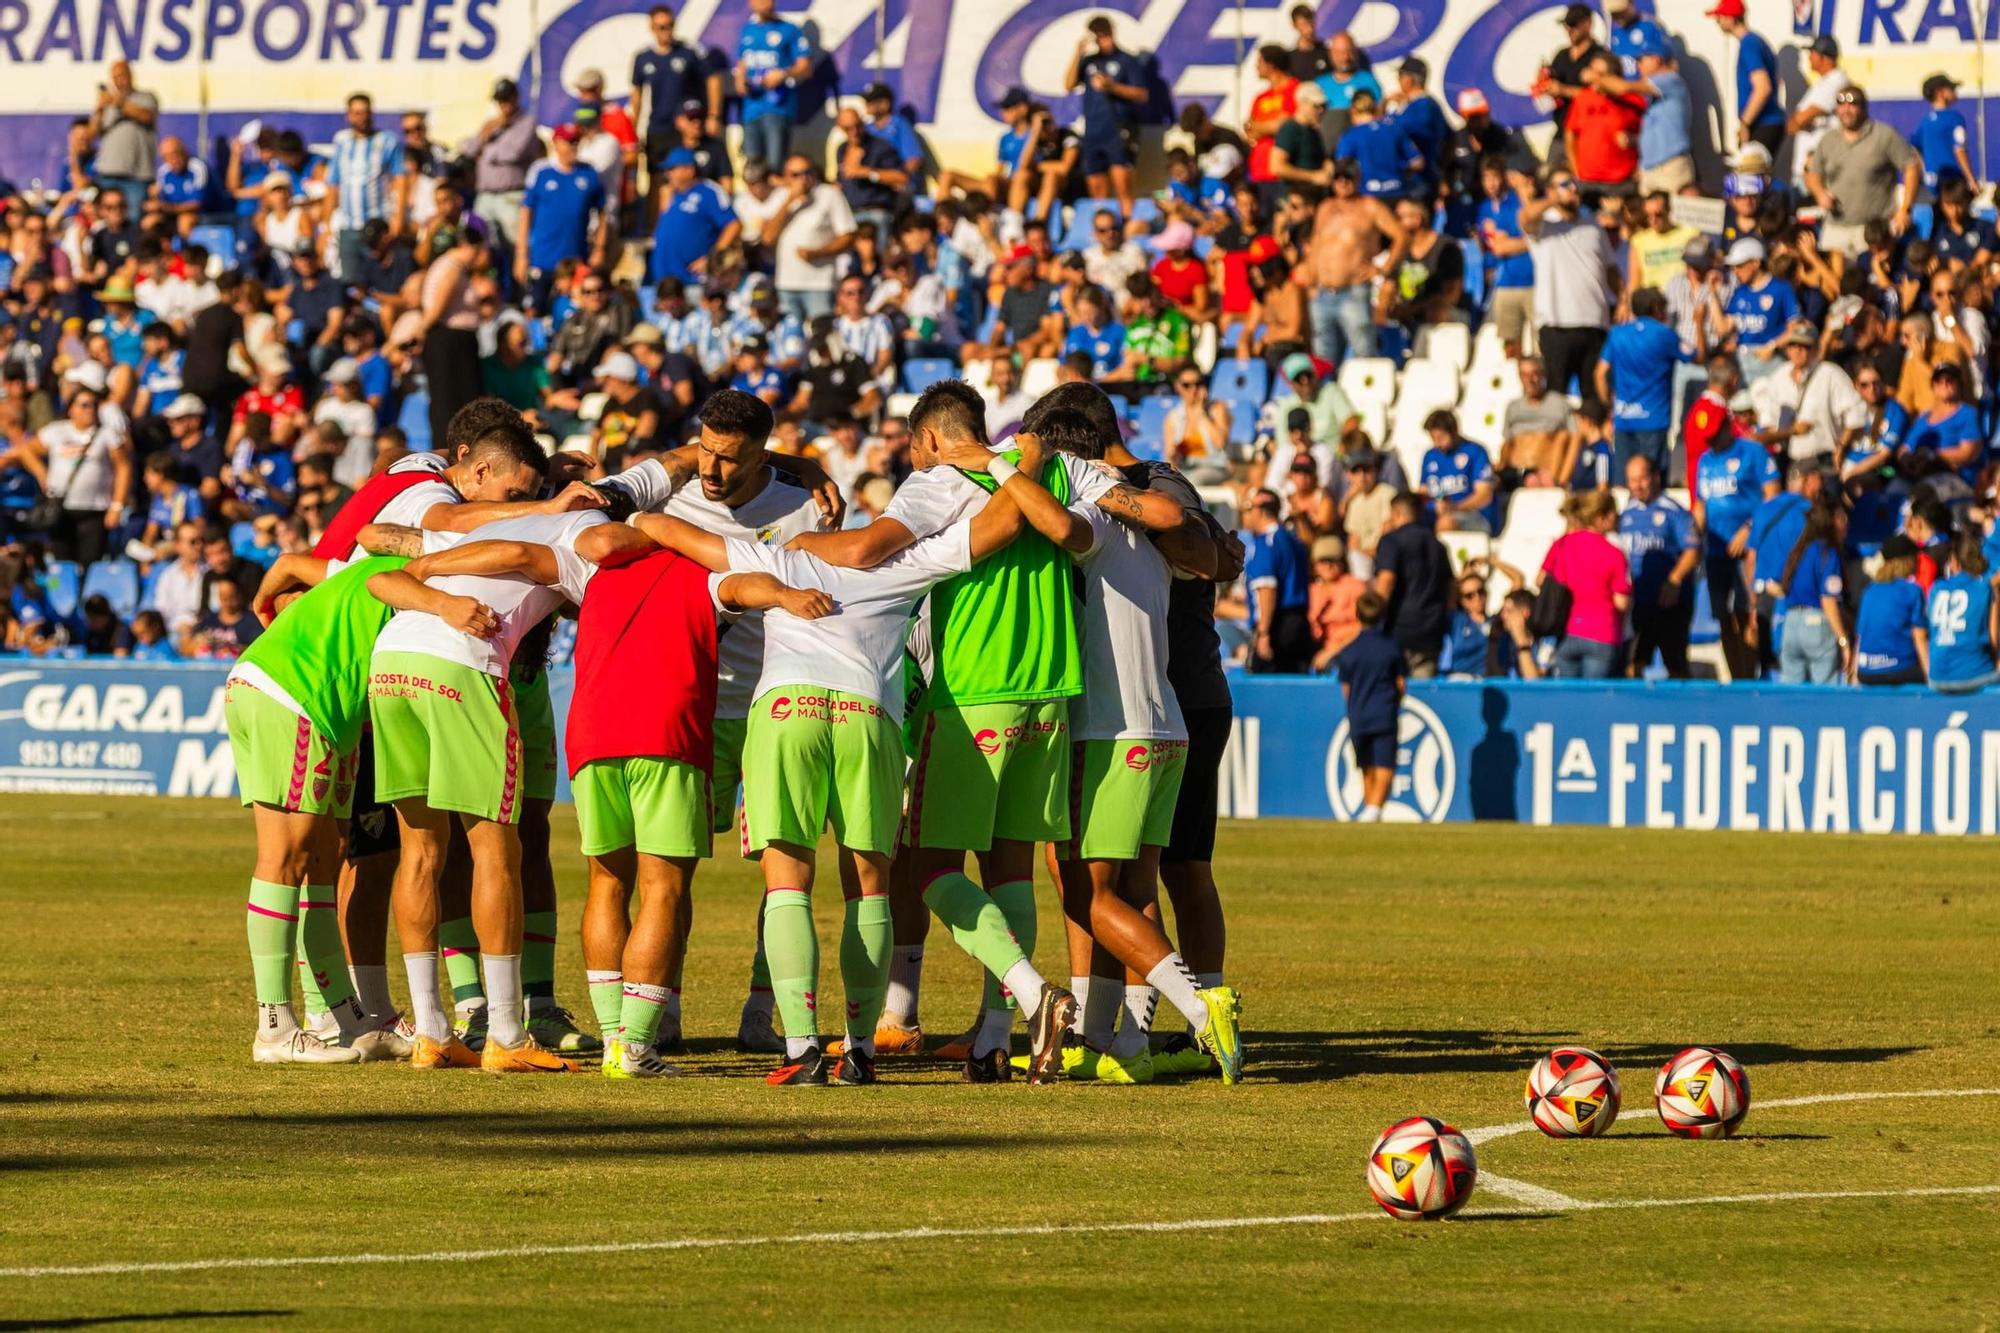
[1312,1057]
[163,1317]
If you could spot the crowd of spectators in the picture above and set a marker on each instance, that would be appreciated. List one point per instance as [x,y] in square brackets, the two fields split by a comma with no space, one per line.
[1785,423]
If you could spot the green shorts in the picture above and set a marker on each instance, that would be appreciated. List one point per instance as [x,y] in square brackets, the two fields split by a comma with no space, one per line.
[283,760]
[538,737]
[446,733]
[1124,794]
[659,806]
[813,756]
[725,774]
[986,771]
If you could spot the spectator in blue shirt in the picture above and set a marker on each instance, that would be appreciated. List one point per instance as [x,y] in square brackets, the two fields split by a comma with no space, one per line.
[1636,376]
[1590,465]
[772,56]
[563,216]
[1113,89]
[1891,634]
[1881,440]
[1471,631]
[1372,671]
[1277,571]
[1816,649]
[124,324]
[1458,476]
[1758,117]
[1940,138]
[1730,482]
[1097,335]
[897,131]
[1775,527]
[173,501]
[1958,238]
[1666,131]
[150,642]
[754,374]
[1349,77]
[665,77]
[1759,310]
[1421,118]
[181,184]
[1510,268]
[1660,544]
[1380,148]
[1964,620]
[1633,34]
[1950,428]
[696,219]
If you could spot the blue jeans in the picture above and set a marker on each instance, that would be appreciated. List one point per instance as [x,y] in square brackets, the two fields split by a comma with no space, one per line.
[1585,659]
[1627,444]
[805,304]
[1343,322]
[1808,654]
[769,136]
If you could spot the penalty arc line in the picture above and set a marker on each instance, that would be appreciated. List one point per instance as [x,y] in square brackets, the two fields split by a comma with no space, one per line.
[1003,1232]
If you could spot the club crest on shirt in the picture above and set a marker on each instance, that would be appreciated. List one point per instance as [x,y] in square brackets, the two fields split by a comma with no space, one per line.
[768,536]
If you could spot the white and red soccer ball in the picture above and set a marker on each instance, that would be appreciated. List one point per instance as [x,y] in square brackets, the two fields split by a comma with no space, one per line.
[1572,1093]
[1702,1093]
[1421,1170]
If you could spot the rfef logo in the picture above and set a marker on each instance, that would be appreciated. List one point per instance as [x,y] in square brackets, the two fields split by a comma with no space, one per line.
[781,708]
[1138,759]
[988,741]
[1426,770]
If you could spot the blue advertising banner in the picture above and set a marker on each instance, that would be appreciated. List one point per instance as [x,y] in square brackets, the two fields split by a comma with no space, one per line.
[1619,755]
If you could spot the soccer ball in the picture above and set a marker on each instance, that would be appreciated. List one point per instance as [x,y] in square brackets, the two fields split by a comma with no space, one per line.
[1572,1093]
[1421,1170]
[1702,1093]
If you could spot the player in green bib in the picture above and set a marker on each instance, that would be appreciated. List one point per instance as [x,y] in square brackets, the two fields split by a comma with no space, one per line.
[294,704]
[991,770]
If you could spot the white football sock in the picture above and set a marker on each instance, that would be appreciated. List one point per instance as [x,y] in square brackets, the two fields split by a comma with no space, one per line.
[1079,987]
[425,1011]
[1176,983]
[1100,1012]
[1140,1001]
[276,1022]
[797,1047]
[502,974]
[371,983]
[1370,814]
[906,975]
[671,1014]
[1026,984]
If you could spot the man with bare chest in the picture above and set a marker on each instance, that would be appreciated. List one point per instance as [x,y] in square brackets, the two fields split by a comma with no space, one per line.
[1354,240]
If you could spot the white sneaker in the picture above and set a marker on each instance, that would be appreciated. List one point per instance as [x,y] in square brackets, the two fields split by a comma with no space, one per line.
[399,1034]
[640,1062]
[756,1036]
[378,1044]
[322,1025]
[300,1047]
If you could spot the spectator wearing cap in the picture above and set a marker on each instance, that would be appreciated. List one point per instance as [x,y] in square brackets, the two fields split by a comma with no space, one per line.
[1298,162]
[1813,114]
[1663,551]
[345,407]
[678,376]
[1891,631]
[366,173]
[1758,116]
[1380,148]
[754,374]
[283,223]
[772,58]
[1687,291]
[895,129]
[665,77]
[1182,279]
[696,220]
[872,174]
[1331,410]
[1757,313]
[1632,35]
[812,229]
[126,123]
[1940,138]
[1331,600]
[563,217]
[1811,407]
[612,119]
[1510,268]
[1666,142]
[1110,81]
[1573,268]
[1602,128]
[1480,137]
[784,333]
[1562,77]
[636,415]
[711,154]
[1277,572]
[1854,174]
[1011,154]
[123,324]
[502,151]
[1635,376]
[1421,118]
[198,455]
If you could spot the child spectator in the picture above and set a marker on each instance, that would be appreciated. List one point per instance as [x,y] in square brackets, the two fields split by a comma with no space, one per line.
[149,639]
[754,374]
[1371,673]
[104,635]
[173,503]
[1510,646]
[1892,640]
[222,634]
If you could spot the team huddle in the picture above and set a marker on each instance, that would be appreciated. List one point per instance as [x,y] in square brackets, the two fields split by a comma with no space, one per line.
[1020,650]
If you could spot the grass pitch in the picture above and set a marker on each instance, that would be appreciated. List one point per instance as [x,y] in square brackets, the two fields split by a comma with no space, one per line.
[1386,971]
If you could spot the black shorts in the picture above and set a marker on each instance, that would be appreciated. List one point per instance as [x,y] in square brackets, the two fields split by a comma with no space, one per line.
[1375,750]
[1101,152]
[1193,835]
[658,144]
[372,829]
[1728,594]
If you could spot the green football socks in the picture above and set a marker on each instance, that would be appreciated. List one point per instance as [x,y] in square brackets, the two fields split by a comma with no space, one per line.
[322,961]
[459,946]
[271,917]
[793,950]
[1016,900]
[865,941]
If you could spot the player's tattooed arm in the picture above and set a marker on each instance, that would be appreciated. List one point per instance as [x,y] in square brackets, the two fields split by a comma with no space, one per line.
[396,589]
[1147,510]
[762,592]
[390,539]
[289,574]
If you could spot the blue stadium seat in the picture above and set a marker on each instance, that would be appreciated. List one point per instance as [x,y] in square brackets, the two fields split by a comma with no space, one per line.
[1475,274]
[1082,217]
[538,336]
[241,535]
[152,583]
[65,584]
[922,372]
[118,582]
[414,418]
[295,332]
[1246,380]
[1149,442]
[1146,210]
[1922,218]
[219,240]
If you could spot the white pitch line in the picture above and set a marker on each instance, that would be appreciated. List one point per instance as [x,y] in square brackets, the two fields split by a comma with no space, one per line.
[1520,1191]
[1551,1208]
[1491,1132]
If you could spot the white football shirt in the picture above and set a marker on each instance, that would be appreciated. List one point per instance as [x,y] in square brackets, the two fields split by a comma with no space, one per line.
[931,500]
[1124,637]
